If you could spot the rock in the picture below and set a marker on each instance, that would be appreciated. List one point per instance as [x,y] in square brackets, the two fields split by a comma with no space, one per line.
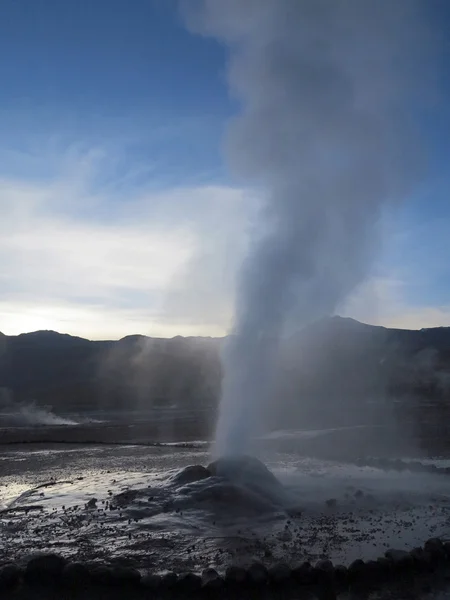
[151,581]
[325,565]
[191,474]
[169,580]
[124,498]
[324,572]
[76,574]
[235,576]
[44,569]
[422,559]
[326,591]
[101,575]
[435,547]
[126,576]
[211,579]
[280,574]
[447,550]
[189,583]
[359,494]
[305,574]
[400,559]
[340,575]
[384,566]
[257,574]
[92,503]
[331,502]
[10,576]
[356,570]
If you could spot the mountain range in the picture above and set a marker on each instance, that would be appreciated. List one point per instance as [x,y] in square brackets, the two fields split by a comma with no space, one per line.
[338,367]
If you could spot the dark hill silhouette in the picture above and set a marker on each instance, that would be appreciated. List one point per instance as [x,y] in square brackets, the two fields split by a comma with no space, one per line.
[335,368]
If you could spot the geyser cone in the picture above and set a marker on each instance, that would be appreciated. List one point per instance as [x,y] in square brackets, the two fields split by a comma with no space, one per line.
[246,470]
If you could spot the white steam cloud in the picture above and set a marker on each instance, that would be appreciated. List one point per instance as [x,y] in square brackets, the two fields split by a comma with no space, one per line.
[329,92]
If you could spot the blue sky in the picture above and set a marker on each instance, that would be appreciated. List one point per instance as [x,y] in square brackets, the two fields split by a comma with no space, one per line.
[118,212]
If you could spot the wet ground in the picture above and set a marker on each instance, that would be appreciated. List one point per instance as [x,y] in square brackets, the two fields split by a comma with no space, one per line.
[139,506]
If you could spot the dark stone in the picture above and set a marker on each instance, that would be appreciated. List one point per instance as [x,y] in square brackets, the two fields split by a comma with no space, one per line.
[400,559]
[45,569]
[325,565]
[422,560]
[189,583]
[280,574]
[305,574]
[326,591]
[151,581]
[101,575]
[356,570]
[169,580]
[372,568]
[331,502]
[384,567]
[10,576]
[435,547]
[235,576]
[76,574]
[257,574]
[211,579]
[126,576]
[341,575]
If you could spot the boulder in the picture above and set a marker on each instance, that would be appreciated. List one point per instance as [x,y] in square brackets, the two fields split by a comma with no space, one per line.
[45,569]
[211,579]
[435,547]
[235,576]
[305,574]
[280,574]
[169,580]
[340,575]
[151,581]
[384,565]
[101,575]
[324,565]
[257,574]
[76,574]
[356,570]
[10,576]
[422,560]
[400,559]
[189,583]
[126,576]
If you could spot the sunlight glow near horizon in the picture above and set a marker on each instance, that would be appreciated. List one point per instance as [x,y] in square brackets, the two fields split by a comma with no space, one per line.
[117,214]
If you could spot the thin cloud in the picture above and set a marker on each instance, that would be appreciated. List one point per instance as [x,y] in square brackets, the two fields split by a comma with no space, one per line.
[106,261]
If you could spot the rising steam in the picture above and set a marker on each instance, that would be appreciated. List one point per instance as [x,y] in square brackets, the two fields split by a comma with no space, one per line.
[329,90]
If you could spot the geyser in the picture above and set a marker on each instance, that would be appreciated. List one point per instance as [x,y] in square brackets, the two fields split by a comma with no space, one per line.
[329,91]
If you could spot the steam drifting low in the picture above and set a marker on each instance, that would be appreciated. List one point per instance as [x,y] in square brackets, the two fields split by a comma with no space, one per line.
[329,92]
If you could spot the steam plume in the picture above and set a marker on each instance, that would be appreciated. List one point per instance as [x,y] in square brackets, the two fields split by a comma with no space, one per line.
[328,91]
